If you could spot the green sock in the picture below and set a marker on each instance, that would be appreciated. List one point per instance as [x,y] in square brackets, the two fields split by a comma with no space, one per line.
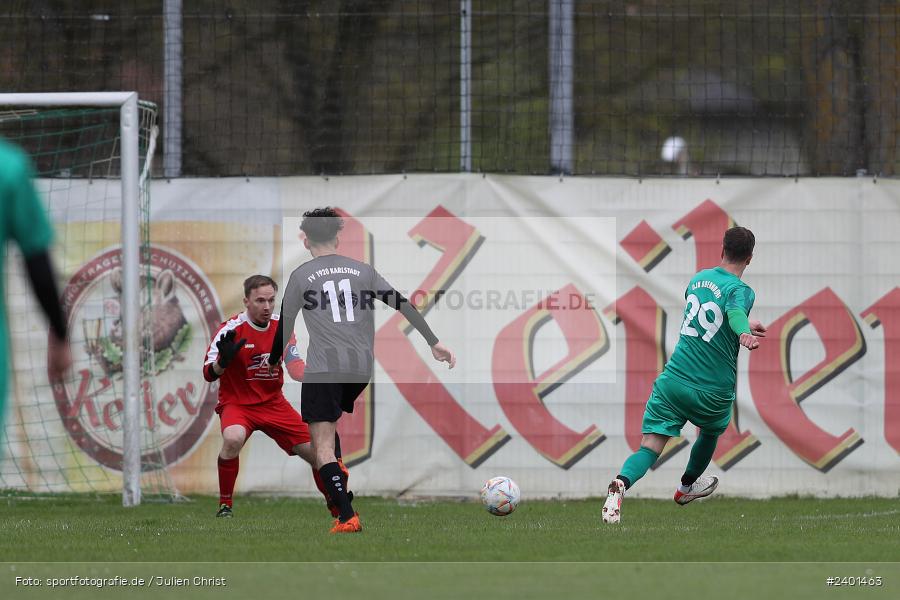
[637,465]
[701,454]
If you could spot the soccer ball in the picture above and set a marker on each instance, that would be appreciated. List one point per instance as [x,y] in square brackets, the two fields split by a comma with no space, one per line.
[500,496]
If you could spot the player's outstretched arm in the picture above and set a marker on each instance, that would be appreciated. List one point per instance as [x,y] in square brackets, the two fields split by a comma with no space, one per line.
[26,222]
[390,296]
[42,276]
[438,350]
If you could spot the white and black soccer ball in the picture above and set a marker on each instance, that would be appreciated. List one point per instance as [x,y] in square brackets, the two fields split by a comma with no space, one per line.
[500,496]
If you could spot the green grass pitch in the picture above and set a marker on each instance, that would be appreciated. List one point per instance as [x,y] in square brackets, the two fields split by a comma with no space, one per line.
[447,546]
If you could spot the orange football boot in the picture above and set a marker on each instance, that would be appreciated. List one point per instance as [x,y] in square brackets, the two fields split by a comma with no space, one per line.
[351,526]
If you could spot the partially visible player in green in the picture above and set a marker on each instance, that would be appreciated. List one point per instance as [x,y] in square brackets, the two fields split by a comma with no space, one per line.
[24,221]
[698,382]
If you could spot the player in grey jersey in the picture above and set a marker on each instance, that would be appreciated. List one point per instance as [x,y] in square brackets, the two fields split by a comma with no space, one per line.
[336,295]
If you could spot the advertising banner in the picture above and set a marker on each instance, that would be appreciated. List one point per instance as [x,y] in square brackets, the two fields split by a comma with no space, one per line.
[562,298]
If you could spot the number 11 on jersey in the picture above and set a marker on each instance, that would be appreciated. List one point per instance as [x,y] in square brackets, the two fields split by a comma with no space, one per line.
[344,285]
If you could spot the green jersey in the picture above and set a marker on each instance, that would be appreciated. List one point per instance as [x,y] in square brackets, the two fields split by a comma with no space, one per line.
[23,220]
[705,356]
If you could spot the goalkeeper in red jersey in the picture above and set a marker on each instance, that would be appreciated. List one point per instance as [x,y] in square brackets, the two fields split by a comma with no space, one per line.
[250,397]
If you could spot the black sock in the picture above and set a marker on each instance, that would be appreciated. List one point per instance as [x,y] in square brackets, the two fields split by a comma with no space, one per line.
[337,455]
[688,480]
[624,480]
[334,481]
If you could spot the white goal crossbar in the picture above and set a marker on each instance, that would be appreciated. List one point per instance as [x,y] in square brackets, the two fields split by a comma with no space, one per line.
[129,123]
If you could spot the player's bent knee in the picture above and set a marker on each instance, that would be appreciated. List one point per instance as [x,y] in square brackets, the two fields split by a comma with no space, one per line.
[233,442]
[654,441]
[233,439]
[230,450]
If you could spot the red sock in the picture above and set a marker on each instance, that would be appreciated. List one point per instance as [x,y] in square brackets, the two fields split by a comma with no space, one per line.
[318,479]
[228,472]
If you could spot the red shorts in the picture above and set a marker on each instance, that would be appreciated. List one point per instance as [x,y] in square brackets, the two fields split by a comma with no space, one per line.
[275,418]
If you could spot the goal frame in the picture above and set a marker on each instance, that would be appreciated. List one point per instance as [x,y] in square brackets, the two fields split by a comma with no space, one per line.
[129,131]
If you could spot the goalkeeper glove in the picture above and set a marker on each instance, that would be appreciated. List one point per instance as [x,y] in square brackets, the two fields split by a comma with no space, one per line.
[228,348]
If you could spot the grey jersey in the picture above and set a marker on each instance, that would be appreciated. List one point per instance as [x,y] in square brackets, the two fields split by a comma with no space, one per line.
[336,295]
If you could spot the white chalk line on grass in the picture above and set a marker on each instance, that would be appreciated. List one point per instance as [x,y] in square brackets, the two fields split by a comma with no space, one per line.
[863,515]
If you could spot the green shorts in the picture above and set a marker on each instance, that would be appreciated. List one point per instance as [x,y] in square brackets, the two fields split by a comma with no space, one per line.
[673,403]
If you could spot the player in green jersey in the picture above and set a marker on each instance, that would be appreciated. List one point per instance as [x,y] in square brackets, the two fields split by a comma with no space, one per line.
[697,384]
[24,221]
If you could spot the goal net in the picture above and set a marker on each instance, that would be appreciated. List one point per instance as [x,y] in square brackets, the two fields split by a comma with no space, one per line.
[70,436]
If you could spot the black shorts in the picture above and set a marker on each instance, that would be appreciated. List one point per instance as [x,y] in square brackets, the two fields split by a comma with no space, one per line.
[322,401]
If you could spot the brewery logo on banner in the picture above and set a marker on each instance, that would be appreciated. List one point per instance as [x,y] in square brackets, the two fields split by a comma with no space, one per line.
[179,313]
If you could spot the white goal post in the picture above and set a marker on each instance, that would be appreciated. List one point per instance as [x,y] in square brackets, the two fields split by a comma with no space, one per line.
[129,121]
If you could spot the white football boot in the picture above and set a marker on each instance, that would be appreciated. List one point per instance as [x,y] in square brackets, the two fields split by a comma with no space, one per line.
[703,487]
[612,509]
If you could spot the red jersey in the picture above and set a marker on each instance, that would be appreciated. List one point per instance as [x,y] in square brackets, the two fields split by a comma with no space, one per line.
[245,380]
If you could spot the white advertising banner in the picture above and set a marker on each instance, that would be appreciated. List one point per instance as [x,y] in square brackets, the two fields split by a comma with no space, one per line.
[562,298]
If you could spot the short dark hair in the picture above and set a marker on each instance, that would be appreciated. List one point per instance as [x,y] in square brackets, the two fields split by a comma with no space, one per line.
[257,281]
[321,225]
[738,244]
